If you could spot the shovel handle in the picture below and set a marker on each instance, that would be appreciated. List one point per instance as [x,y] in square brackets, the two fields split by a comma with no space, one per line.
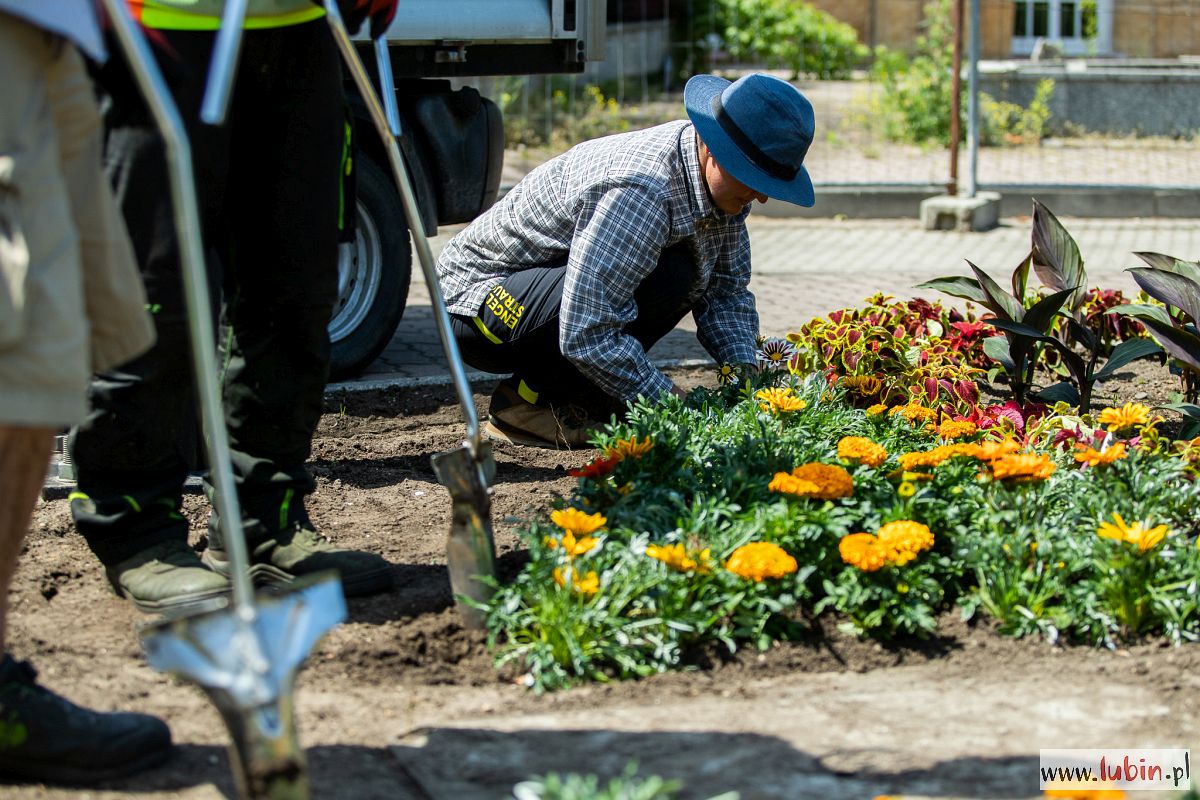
[224,62]
[387,124]
[195,290]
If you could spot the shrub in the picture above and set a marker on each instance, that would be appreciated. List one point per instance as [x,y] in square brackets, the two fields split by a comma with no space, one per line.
[793,35]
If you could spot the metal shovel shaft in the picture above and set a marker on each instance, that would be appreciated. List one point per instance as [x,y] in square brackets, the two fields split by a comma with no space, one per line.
[224,62]
[195,286]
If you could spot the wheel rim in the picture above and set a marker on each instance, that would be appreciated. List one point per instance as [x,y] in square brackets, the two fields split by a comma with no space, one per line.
[360,271]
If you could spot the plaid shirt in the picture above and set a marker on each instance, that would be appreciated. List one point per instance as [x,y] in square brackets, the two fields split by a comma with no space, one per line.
[613,205]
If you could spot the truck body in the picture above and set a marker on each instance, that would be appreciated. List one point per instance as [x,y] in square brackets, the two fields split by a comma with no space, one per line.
[453,141]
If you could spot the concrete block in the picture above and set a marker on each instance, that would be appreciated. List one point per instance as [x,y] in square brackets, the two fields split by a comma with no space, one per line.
[955,213]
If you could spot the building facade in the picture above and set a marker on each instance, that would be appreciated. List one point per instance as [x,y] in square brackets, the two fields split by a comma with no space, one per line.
[1011,28]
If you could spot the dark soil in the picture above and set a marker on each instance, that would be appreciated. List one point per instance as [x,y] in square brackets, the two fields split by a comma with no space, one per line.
[402,701]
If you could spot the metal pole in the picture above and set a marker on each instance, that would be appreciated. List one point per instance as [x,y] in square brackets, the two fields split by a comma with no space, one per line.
[955,97]
[973,56]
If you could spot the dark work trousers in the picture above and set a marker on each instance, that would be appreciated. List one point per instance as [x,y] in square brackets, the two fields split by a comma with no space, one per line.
[529,348]
[268,183]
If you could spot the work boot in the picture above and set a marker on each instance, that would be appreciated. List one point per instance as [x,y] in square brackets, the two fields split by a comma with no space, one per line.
[44,737]
[166,578]
[298,550]
[513,419]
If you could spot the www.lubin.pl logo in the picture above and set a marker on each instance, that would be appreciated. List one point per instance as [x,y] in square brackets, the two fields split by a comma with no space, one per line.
[1119,768]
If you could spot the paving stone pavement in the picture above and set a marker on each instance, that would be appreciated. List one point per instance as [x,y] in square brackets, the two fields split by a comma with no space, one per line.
[806,267]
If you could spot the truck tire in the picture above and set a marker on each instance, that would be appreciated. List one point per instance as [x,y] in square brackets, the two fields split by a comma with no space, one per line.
[373,275]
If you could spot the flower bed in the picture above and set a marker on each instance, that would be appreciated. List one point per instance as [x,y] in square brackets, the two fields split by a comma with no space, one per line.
[857,474]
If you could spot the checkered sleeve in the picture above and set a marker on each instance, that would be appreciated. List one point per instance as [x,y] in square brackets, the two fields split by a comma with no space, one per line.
[619,234]
[726,318]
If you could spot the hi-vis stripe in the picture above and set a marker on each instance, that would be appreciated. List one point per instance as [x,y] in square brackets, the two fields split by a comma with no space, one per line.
[205,15]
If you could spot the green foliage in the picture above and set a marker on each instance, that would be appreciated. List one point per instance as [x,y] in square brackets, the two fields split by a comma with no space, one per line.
[793,35]
[914,104]
[698,478]
[1003,123]
[627,786]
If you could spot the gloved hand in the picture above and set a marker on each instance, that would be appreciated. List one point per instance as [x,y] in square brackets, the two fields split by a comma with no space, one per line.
[355,11]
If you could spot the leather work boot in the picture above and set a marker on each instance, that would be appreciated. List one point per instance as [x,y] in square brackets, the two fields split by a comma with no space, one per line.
[298,550]
[513,419]
[166,578]
[44,737]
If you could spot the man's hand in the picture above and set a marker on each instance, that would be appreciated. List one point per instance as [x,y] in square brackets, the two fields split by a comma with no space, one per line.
[680,393]
[354,12]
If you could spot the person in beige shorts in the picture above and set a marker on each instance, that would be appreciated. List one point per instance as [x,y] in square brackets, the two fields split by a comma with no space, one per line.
[71,302]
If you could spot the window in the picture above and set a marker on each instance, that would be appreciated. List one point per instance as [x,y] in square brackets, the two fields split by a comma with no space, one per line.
[1071,23]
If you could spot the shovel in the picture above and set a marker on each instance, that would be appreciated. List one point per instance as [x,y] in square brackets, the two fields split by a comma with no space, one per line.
[243,654]
[466,471]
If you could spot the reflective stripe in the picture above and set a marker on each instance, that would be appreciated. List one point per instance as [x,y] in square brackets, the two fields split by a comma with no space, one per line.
[205,15]
[133,504]
[528,394]
[283,508]
[483,329]
[78,496]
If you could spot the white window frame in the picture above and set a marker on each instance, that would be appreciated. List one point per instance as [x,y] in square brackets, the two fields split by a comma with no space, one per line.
[1075,45]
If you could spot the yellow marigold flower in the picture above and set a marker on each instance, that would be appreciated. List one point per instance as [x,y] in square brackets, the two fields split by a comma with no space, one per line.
[787,483]
[988,451]
[877,409]
[1143,537]
[861,450]
[676,557]
[577,547]
[550,542]
[779,400]
[1129,415]
[587,584]
[862,385]
[760,560]
[906,489]
[1022,468]
[957,428]
[862,550]
[628,448]
[831,480]
[576,522]
[1095,458]
[903,540]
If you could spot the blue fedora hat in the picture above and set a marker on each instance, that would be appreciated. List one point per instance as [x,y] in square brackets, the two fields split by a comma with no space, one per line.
[758,128]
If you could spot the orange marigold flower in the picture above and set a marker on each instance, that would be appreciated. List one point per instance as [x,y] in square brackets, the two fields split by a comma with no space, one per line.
[786,483]
[576,522]
[677,558]
[862,550]
[861,450]
[628,448]
[1095,458]
[598,467]
[587,584]
[904,539]
[957,428]
[877,409]
[1130,415]
[760,560]
[832,481]
[779,400]
[931,458]
[1022,467]
[991,450]
[1138,534]
[915,414]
